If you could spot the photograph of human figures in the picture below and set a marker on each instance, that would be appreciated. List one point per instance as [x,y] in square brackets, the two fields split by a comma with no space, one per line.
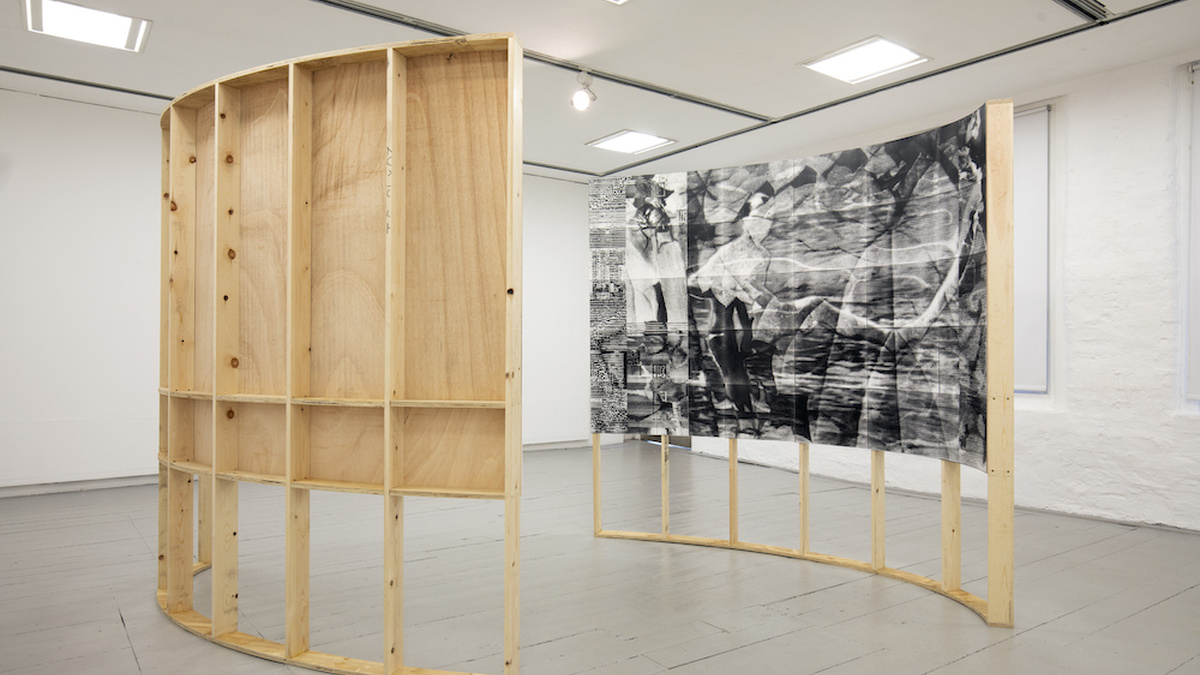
[838,299]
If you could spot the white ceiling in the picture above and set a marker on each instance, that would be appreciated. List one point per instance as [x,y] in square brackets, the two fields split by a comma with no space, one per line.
[743,56]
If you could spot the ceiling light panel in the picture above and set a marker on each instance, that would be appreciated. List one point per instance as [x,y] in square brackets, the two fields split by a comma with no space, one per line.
[864,60]
[632,142]
[84,24]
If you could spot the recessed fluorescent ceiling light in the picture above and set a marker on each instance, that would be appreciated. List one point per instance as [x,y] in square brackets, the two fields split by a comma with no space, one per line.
[862,61]
[631,142]
[618,2]
[73,22]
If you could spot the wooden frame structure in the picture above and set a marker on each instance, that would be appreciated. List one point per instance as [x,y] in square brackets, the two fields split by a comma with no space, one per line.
[997,608]
[335,316]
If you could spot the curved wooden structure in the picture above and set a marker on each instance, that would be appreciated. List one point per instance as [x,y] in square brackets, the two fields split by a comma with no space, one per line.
[336,316]
[997,608]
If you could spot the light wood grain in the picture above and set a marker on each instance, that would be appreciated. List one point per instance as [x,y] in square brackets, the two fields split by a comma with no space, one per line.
[204,524]
[733,490]
[164,511]
[263,232]
[805,501]
[455,448]
[951,525]
[296,573]
[878,513]
[164,292]
[596,484]
[227,215]
[299,298]
[457,249]
[346,445]
[999,210]
[224,555]
[262,438]
[179,541]
[349,225]
[205,233]
[182,244]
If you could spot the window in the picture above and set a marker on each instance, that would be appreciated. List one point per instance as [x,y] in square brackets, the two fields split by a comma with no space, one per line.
[1031,244]
[1192,327]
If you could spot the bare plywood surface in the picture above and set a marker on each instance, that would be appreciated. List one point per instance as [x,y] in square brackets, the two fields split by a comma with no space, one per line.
[347,445]
[261,438]
[456,238]
[205,237]
[453,448]
[263,255]
[348,230]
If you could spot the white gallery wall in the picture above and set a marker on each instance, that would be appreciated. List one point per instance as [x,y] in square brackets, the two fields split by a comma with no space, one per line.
[1114,437]
[79,265]
[79,272]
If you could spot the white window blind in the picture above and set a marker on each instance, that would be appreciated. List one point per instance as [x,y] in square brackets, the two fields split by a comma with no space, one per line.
[1031,249]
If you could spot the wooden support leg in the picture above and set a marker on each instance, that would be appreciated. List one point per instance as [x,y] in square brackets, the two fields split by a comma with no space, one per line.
[224,555]
[296,573]
[393,591]
[804,500]
[596,483]
[877,511]
[179,541]
[512,583]
[665,469]
[733,491]
[204,530]
[951,526]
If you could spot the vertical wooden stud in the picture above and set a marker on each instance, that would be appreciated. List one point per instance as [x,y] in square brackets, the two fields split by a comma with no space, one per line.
[877,511]
[804,498]
[296,594]
[224,492]
[512,358]
[665,471]
[164,295]
[951,526]
[595,483]
[393,360]
[512,126]
[733,491]
[228,204]
[999,212]
[163,536]
[181,280]
[179,541]
[204,530]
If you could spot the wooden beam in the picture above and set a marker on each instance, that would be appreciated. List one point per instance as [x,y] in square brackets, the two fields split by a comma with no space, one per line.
[878,515]
[182,276]
[951,526]
[299,308]
[512,126]
[804,498]
[393,366]
[665,472]
[228,206]
[596,484]
[999,211]
[179,541]
[733,491]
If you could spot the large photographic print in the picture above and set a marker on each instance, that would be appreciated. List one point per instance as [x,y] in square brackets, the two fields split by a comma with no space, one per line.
[837,299]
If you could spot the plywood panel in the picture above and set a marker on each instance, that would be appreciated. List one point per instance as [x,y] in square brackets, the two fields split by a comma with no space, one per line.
[453,448]
[202,430]
[205,241]
[456,231]
[349,225]
[263,255]
[347,445]
[261,438]
[181,437]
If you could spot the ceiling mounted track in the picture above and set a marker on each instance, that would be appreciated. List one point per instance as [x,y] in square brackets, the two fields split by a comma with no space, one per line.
[1088,9]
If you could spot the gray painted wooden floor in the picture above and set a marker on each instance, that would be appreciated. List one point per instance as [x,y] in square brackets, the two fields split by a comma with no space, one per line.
[77,576]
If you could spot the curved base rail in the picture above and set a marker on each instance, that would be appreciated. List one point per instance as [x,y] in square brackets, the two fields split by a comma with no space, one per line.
[196,623]
[970,600]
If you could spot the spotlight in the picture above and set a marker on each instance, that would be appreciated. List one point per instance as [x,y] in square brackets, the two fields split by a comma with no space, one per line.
[583,98]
